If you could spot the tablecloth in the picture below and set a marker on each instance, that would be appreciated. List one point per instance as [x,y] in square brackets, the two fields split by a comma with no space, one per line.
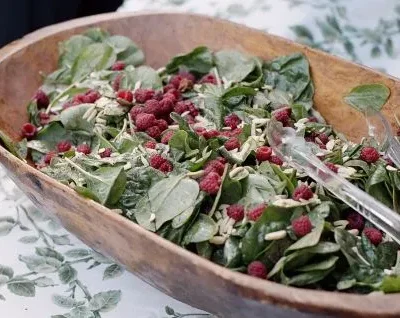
[47,272]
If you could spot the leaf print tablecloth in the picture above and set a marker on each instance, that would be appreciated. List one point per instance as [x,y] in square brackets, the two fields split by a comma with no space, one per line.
[47,272]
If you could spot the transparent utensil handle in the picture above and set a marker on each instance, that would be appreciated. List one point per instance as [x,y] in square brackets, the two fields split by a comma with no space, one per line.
[393,151]
[374,211]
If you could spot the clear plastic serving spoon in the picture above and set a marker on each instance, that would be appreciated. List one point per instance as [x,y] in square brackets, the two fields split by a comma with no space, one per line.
[298,153]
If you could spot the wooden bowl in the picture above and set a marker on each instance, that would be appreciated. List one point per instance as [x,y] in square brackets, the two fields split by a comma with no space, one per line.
[173,270]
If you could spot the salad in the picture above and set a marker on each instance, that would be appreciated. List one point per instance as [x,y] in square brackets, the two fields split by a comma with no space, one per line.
[182,151]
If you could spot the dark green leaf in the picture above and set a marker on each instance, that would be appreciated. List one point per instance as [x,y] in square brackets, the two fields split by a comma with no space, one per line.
[386,254]
[72,118]
[233,65]
[369,96]
[97,34]
[72,48]
[146,75]
[200,60]
[234,96]
[202,230]
[232,252]
[127,51]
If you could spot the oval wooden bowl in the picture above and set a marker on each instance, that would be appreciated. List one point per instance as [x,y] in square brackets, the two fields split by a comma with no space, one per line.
[173,270]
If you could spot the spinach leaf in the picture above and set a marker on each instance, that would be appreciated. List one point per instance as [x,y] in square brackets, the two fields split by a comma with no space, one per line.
[181,141]
[390,284]
[51,135]
[309,240]
[72,118]
[233,65]
[71,49]
[375,186]
[273,219]
[200,61]
[369,96]
[290,74]
[234,96]
[97,34]
[146,75]
[127,51]
[257,190]
[214,110]
[347,244]
[232,252]
[202,230]
[166,199]
[386,254]
[186,215]
[232,191]
[308,278]
[95,57]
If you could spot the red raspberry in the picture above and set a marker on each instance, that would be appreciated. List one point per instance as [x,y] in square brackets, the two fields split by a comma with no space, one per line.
[176,80]
[154,132]
[369,154]
[263,153]
[118,66]
[48,156]
[117,82]
[174,92]
[144,121]
[232,121]
[162,124]
[200,131]
[68,104]
[221,160]
[312,119]
[257,269]
[142,95]
[332,166]
[302,192]
[301,226]
[106,153]
[208,79]
[42,100]
[214,166]
[283,115]
[150,144]
[44,118]
[166,167]
[389,162]
[236,212]
[255,213]
[28,130]
[168,87]
[276,160]
[166,105]
[181,107]
[84,148]
[136,110]
[152,106]
[193,110]
[167,137]
[90,96]
[64,146]
[156,161]
[374,235]
[356,221]
[324,138]
[232,143]
[126,95]
[211,183]
[211,134]
[170,96]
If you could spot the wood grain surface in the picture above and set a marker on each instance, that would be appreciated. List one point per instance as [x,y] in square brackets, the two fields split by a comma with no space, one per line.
[173,270]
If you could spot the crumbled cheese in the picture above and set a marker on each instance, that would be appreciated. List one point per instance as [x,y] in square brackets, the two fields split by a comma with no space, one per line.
[330,144]
[355,232]
[390,168]
[152,217]
[273,236]
[218,240]
[288,203]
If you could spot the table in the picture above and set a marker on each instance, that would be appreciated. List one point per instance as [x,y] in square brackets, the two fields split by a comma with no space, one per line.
[42,265]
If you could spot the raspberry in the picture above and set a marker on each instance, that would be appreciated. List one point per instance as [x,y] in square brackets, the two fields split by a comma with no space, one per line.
[208,79]
[232,133]
[166,167]
[162,124]
[156,161]
[68,104]
[236,212]
[214,166]
[301,226]
[174,92]
[152,106]
[374,235]
[263,153]
[389,162]
[136,110]
[154,132]
[118,66]
[142,95]
[150,144]
[232,121]
[255,213]
[28,130]
[144,121]
[90,96]
[221,160]
[257,269]
[48,156]
[211,183]
[166,105]
[356,221]
[369,154]
[64,146]
[302,192]
[312,119]
[117,82]
[323,138]
[84,148]
[42,100]
[167,137]
[106,153]
[211,134]
[193,110]
[232,143]
[176,80]
[44,118]
[283,115]
[332,166]
[181,107]
[276,160]
[168,87]
[200,131]
[126,95]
